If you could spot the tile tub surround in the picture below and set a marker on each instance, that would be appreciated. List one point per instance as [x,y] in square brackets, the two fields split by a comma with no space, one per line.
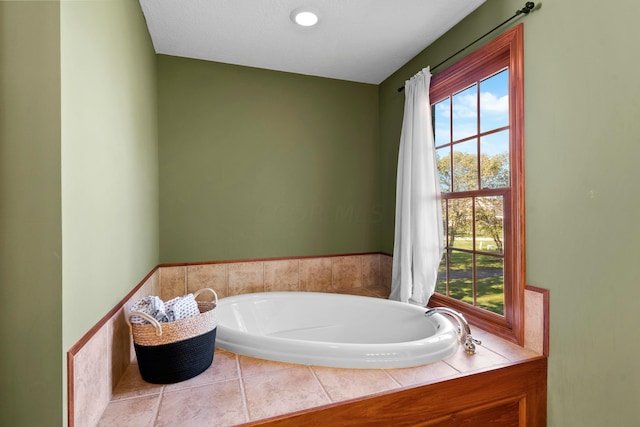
[237,389]
[315,274]
[99,360]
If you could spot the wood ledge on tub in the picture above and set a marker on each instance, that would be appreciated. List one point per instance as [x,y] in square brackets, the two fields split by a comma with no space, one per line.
[512,395]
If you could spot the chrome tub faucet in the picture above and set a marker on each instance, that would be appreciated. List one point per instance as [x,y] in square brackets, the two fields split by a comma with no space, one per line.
[464,332]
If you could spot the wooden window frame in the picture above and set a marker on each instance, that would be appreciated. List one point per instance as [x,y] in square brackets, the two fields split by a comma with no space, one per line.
[506,48]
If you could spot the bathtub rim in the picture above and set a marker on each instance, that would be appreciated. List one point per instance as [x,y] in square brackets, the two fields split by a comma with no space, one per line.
[339,355]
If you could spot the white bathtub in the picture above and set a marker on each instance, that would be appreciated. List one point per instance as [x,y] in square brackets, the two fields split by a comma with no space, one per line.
[342,331]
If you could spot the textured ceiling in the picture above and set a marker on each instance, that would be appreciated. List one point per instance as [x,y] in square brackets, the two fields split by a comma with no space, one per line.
[357,40]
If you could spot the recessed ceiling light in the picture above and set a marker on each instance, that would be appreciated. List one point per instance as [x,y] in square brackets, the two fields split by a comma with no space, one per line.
[306,18]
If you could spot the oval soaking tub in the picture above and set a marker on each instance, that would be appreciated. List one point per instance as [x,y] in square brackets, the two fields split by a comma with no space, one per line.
[335,330]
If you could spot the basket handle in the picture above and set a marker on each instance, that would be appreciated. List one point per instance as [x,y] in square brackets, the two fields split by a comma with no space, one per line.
[198,292]
[146,317]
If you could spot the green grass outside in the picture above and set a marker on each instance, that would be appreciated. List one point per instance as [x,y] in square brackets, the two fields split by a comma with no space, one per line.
[489,284]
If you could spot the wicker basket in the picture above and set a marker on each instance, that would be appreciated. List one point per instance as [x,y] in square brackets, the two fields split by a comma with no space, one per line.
[175,351]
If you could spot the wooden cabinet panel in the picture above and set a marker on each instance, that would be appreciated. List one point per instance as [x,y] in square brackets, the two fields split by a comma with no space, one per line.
[513,395]
[504,414]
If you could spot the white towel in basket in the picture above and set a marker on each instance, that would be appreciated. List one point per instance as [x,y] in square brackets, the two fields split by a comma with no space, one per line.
[181,307]
[151,305]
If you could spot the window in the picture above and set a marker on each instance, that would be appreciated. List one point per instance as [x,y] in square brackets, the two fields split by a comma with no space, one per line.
[477,107]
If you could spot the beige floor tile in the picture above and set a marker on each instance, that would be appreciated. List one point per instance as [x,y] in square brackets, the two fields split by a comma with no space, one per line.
[483,358]
[343,384]
[223,368]
[137,412]
[501,346]
[218,404]
[250,366]
[132,385]
[422,374]
[282,391]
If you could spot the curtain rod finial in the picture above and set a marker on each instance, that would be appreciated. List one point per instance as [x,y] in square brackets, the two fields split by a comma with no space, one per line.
[528,7]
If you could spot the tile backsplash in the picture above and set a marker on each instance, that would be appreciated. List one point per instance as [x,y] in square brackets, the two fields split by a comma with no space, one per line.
[96,363]
[319,274]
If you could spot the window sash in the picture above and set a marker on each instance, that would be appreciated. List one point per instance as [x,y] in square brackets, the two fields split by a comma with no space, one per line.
[505,51]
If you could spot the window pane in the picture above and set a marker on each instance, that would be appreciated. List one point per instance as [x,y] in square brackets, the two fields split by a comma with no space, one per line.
[443,158]
[490,283]
[490,224]
[444,222]
[461,276]
[465,166]
[465,113]
[494,101]
[442,122]
[494,160]
[459,227]
[441,282]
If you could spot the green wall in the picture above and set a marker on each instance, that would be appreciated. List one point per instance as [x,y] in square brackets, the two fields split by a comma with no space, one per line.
[257,163]
[109,158]
[30,233]
[78,186]
[582,138]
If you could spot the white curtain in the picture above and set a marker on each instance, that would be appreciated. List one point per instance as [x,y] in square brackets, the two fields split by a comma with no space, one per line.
[418,243]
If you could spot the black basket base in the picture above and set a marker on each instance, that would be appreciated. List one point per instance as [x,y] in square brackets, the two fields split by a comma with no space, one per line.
[178,361]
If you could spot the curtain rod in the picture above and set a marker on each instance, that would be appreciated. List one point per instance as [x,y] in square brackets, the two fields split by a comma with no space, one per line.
[528,7]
